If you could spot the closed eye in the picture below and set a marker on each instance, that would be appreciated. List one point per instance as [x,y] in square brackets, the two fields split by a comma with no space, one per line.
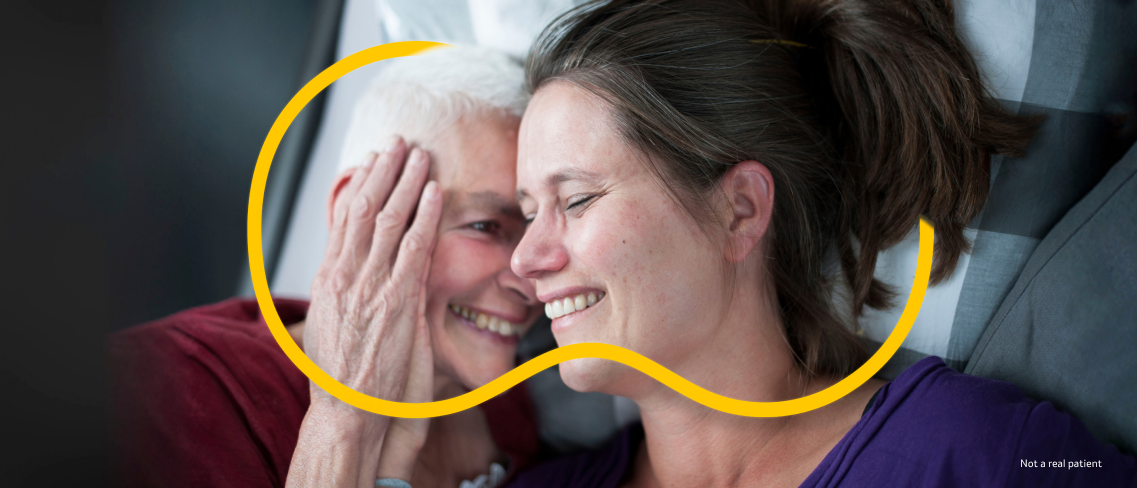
[580,201]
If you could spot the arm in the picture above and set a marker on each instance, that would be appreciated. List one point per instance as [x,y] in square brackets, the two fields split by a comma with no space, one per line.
[337,448]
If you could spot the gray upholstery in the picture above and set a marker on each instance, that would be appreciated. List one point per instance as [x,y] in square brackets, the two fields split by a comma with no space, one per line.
[1068,329]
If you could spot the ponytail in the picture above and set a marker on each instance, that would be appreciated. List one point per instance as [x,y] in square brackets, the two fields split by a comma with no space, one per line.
[915,123]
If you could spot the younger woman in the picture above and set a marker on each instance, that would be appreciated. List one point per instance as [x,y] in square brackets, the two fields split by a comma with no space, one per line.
[688,168]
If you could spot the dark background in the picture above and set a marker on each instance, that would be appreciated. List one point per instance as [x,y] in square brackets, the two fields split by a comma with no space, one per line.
[130,132]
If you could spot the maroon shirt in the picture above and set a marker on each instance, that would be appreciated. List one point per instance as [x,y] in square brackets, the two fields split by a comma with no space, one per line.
[206,397]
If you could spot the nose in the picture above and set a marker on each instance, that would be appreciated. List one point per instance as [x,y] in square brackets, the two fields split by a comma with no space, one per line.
[541,250]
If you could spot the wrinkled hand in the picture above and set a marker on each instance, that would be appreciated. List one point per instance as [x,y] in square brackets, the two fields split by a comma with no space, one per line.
[366,319]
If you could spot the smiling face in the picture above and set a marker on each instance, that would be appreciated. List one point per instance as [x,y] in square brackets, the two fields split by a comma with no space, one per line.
[477,307]
[601,225]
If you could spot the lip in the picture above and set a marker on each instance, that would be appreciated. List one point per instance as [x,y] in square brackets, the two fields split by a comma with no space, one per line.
[567,292]
[565,322]
[516,319]
[493,336]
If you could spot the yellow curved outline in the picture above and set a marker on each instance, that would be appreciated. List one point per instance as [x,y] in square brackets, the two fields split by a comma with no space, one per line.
[551,358]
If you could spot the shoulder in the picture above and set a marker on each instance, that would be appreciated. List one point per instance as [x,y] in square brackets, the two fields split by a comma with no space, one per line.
[225,346]
[931,391]
[602,468]
[225,337]
[205,386]
[234,319]
[952,413]
[933,426]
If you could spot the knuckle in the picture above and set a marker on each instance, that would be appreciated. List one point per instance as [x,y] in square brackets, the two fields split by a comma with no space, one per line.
[339,282]
[379,305]
[414,242]
[388,221]
[361,206]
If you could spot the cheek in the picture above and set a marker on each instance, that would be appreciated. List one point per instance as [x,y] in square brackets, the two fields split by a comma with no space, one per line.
[658,266]
[460,264]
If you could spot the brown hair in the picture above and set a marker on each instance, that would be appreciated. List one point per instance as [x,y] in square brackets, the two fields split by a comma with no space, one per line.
[868,113]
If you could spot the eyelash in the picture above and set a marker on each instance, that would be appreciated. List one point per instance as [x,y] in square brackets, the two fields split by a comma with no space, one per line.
[486,223]
[586,199]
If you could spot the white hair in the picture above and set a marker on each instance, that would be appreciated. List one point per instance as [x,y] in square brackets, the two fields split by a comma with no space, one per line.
[426,94]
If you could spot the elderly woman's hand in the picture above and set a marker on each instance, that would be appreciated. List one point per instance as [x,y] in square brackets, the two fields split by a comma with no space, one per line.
[366,325]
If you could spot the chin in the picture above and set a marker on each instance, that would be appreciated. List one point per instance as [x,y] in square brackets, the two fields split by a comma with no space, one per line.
[475,374]
[590,374]
[470,356]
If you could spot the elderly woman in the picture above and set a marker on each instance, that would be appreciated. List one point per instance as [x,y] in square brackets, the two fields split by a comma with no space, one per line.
[687,168]
[212,401]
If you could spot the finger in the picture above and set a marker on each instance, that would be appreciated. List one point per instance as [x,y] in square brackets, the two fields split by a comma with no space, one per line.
[391,223]
[342,202]
[420,379]
[370,199]
[417,245]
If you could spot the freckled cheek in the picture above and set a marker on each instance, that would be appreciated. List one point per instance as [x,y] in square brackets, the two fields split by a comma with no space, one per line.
[617,247]
[601,245]
[646,259]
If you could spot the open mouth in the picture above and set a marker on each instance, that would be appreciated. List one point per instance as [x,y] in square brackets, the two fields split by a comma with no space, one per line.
[564,306]
[488,322]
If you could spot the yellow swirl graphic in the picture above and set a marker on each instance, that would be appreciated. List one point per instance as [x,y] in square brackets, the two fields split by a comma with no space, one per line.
[551,358]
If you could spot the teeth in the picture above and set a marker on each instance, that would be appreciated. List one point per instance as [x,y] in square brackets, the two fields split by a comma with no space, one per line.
[487,322]
[570,306]
[560,307]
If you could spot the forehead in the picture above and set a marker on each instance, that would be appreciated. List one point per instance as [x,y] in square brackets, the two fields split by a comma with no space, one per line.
[569,129]
[477,154]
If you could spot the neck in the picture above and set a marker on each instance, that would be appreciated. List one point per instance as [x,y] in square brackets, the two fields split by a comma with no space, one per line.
[748,358]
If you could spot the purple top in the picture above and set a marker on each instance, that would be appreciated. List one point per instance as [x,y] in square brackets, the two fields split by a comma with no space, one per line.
[932,426]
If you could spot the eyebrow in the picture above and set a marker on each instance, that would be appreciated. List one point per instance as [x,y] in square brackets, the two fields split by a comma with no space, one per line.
[567,174]
[490,201]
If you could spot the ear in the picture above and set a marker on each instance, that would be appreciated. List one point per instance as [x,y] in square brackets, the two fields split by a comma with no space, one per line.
[749,190]
[337,187]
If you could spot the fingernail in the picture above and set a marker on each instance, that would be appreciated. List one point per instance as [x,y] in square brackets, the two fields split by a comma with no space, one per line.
[431,190]
[393,143]
[417,156]
[370,159]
